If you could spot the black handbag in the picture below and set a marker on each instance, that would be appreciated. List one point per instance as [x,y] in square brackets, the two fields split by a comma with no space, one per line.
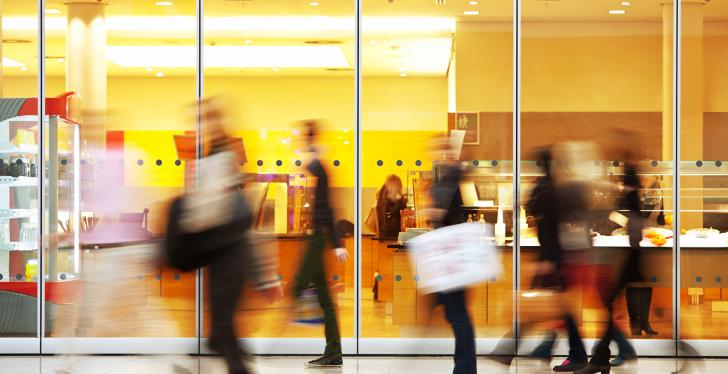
[189,251]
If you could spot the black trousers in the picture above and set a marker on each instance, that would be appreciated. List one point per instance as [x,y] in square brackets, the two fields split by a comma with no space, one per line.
[457,315]
[226,282]
[639,300]
[312,272]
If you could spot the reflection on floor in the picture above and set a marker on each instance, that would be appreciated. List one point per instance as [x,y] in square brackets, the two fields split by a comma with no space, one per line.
[290,365]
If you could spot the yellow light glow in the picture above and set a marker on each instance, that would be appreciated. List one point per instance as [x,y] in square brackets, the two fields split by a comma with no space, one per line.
[164,3]
[10,63]
[229,56]
[471,13]
[617,11]
[53,11]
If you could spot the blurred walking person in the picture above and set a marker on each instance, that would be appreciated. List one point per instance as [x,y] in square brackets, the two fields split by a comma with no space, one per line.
[312,273]
[210,226]
[447,211]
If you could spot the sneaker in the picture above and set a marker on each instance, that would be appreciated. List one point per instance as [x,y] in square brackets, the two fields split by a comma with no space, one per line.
[569,365]
[326,361]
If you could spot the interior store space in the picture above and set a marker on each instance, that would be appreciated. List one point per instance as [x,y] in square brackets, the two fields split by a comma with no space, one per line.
[118,81]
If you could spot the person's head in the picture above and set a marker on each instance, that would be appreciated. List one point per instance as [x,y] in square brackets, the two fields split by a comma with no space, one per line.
[443,149]
[391,188]
[544,157]
[214,120]
[310,131]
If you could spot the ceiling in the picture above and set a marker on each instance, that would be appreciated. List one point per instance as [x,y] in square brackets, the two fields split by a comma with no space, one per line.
[400,37]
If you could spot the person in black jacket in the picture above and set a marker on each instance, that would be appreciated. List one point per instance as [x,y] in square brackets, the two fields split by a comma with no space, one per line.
[446,211]
[390,202]
[312,271]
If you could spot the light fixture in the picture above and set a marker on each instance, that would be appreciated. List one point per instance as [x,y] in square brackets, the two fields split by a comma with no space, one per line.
[149,69]
[164,3]
[23,68]
[471,13]
[402,70]
[10,63]
[60,59]
[248,41]
[617,11]
[402,74]
[276,69]
[253,56]
[53,11]
[626,3]
[473,3]
[159,74]
[313,3]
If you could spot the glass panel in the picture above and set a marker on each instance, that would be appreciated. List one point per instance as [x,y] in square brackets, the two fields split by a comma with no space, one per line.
[274,65]
[132,65]
[428,70]
[597,84]
[703,173]
[19,234]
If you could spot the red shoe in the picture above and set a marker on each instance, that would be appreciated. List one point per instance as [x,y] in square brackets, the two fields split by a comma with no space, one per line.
[569,366]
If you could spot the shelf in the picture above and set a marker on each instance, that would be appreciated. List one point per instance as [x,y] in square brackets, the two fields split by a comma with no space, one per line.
[17,213]
[22,150]
[19,246]
[7,181]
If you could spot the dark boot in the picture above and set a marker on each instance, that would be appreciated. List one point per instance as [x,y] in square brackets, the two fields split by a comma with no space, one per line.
[594,368]
[632,294]
[645,304]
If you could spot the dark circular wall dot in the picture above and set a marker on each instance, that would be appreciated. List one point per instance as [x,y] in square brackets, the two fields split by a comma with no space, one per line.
[298,162]
[177,277]
[177,162]
[494,163]
[335,277]
[398,278]
[718,163]
[699,163]
[159,162]
[379,278]
[399,162]
[139,277]
[653,279]
[18,276]
[417,278]
[83,162]
[596,163]
[1,277]
[380,162]
[698,279]
[337,162]
[64,162]
[492,279]
[158,276]
[279,162]
[539,163]
[418,163]
[476,162]
[140,162]
[653,163]
[280,277]
[260,162]
[615,163]
[718,279]
[63,276]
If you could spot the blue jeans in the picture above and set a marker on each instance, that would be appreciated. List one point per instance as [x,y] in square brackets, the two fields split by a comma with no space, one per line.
[457,315]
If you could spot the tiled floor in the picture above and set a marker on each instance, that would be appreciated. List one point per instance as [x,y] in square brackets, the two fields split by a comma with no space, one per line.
[291,365]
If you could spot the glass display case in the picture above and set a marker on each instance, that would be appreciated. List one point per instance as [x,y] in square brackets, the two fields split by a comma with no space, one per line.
[23,167]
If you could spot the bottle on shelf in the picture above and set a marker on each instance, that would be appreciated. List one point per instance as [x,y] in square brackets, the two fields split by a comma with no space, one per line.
[500,229]
[482,218]
[470,218]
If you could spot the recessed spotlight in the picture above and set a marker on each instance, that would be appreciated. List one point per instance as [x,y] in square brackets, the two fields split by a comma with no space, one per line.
[313,3]
[53,11]
[403,70]
[471,13]
[473,3]
[149,69]
[402,74]
[617,11]
[61,59]
[276,69]
[248,41]
[159,74]
[23,68]
[164,3]
[626,3]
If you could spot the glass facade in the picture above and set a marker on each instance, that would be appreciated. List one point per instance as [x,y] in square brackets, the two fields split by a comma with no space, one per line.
[120,134]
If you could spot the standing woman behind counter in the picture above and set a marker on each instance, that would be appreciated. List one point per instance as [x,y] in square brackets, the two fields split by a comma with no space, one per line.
[390,202]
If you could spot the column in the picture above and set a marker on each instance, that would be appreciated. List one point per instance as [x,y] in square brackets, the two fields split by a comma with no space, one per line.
[86,64]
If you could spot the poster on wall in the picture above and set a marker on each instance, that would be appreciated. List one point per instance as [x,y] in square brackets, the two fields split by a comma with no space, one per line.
[468,122]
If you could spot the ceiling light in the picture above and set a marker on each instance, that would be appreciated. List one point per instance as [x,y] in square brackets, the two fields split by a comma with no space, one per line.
[149,69]
[61,59]
[473,3]
[164,3]
[248,42]
[53,11]
[403,69]
[10,63]
[313,3]
[617,11]
[402,74]
[626,3]
[159,74]
[276,69]
[318,56]
[471,13]
[23,68]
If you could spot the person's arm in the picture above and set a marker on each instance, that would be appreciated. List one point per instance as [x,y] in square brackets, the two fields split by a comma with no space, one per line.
[443,192]
[327,215]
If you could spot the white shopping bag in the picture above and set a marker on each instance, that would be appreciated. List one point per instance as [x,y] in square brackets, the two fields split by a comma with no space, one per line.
[454,257]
